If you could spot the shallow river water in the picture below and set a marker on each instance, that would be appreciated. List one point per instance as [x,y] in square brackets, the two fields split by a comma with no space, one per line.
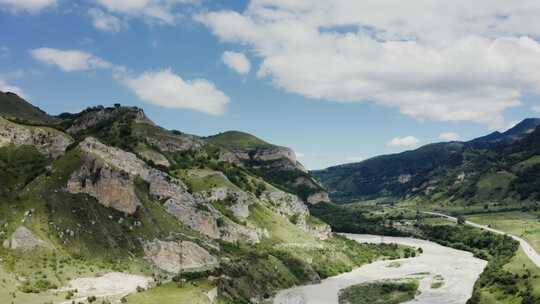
[457,270]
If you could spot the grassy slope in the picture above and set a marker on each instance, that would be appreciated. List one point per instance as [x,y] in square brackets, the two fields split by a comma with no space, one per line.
[171,293]
[237,140]
[13,106]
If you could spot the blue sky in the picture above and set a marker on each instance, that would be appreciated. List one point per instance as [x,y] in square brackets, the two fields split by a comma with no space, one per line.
[338,88]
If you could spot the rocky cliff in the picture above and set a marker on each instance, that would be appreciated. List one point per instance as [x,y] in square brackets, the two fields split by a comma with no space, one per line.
[109,188]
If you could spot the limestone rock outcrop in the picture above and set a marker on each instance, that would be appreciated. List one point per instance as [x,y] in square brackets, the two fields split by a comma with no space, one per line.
[112,188]
[47,141]
[24,239]
[109,174]
[92,117]
[318,197]
[174,257]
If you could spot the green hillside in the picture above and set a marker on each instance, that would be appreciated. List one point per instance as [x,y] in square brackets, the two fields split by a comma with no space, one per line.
[237,140]
[12,106]
[488,173]
[113,193]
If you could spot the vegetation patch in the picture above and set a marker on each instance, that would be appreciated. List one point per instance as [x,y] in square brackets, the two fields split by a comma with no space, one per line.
[383,292]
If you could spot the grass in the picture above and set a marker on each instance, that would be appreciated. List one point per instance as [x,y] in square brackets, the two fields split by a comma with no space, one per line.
[281,230]
[525,225]
[237,140]
[493,185]
[171,293]
[384,292]
[534,160]
[15,107]
[203,179]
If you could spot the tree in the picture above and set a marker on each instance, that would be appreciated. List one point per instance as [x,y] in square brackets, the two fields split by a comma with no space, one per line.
[461,220]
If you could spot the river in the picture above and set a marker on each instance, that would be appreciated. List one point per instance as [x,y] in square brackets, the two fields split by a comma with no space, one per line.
[458,270]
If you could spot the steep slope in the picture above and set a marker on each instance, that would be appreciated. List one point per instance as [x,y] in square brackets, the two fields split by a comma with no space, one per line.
[11,105]
[277,164]
[517,132]
[498,168]
[106,190]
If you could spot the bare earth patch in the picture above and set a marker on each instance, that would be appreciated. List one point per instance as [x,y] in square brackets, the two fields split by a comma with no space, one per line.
[113,284]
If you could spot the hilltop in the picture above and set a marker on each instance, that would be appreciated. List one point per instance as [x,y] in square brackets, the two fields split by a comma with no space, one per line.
[108,191]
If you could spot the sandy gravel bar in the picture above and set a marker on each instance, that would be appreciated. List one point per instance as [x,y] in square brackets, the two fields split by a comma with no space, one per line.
[459,271]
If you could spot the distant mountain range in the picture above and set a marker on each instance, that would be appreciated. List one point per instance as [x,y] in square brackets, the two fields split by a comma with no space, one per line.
[499,167]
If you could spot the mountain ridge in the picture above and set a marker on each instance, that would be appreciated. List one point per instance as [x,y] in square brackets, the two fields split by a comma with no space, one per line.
[107,190]
[462,167]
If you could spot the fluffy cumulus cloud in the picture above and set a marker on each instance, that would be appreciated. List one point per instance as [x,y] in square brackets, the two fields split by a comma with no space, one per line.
[169,90]
[433,60]
[237,61]
[403,142]
[106,22]
[31,6]
[449,136]
[70,60]
[165,11]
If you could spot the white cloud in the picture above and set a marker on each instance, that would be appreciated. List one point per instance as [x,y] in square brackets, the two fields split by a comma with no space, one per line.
[166,89]
[237,61]
[70,60]
[31,6]
[106,22]
[6,87]
[406,142]
[444,61]
[164,11]
[449,136]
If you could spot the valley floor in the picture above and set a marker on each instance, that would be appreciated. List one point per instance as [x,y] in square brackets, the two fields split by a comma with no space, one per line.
[446,275]
[501,224]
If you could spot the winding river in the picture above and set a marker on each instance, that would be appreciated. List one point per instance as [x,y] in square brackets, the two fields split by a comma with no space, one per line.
[457,270]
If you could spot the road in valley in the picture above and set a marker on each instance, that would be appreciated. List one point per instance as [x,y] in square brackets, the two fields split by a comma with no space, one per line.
[527,248]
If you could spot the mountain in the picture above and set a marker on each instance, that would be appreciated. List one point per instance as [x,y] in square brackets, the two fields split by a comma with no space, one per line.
[277,164]
[499,168]
[517,132]
[108,196]
[11,105]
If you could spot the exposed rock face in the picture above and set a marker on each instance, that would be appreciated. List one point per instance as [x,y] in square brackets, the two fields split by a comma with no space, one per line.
[128,167]
[404,178]
[239,201]
[168,141]
[173,257]
[282,157]
[289,205]
[112,188]
[320,231]
[233,232]
[104,163]
[319,197]
[109,175]
[24,239]
[47,141]
[91,118]
[285,203]
[155,157]
[203,221]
